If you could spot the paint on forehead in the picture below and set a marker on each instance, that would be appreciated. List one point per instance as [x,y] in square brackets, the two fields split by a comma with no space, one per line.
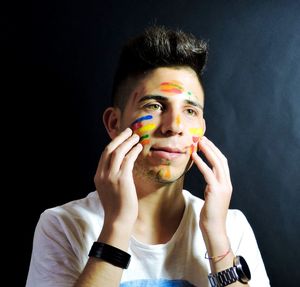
[174,87]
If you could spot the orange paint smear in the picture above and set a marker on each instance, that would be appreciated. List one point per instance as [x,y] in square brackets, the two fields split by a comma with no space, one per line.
[192,149]
[145,141]
[171,87]
[178,120]
[167,173]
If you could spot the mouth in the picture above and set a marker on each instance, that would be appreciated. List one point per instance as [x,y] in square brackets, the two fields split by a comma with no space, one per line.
[166,152]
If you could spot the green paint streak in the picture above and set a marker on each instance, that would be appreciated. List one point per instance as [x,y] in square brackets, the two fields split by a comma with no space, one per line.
[144,137]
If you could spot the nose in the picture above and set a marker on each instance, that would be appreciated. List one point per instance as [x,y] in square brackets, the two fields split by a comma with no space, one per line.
[171,123]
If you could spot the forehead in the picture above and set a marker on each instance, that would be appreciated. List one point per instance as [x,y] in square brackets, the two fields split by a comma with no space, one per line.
[169,81]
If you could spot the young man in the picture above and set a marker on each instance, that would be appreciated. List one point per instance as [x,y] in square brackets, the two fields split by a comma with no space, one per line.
[140,228]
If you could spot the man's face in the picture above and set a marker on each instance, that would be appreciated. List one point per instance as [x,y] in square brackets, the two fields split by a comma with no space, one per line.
[166,111]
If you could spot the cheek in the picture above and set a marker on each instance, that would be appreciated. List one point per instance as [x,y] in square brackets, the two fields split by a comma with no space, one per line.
[144,126]
[196,134]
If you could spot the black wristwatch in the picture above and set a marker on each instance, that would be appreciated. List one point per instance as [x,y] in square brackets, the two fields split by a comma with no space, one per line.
[239,272]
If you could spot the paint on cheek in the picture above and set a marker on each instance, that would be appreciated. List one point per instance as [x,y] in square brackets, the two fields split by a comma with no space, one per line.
[140,128]
[145,128]
[145,139]
[192,148]
[143,118]
[196,133]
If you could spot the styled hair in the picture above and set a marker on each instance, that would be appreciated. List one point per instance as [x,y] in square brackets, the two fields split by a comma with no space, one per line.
[156,47]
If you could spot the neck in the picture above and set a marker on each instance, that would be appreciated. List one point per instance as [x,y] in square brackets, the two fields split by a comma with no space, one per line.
[161,208]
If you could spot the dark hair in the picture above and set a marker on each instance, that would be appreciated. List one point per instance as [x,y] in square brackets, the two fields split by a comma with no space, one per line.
[156,47]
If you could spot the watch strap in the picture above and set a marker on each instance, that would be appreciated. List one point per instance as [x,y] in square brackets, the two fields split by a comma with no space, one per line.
[110,254]
[223,278]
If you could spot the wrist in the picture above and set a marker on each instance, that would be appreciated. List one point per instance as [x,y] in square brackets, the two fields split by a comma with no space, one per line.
[116,234]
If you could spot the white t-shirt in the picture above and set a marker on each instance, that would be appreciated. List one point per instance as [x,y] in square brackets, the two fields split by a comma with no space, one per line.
[65,234]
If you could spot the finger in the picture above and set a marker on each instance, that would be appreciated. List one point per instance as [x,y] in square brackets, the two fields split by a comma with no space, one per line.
[118,140]
[104,161]
[213,159]
[208,174]
[130,158]
[120,152]
[221,156]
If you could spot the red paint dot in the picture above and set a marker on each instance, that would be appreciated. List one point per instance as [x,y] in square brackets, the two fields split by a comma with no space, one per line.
[195,139]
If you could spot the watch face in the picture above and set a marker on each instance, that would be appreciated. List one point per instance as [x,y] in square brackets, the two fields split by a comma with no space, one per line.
[242,269]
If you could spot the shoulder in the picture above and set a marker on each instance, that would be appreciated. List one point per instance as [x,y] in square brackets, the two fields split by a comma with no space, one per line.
[87,205]
[74,216]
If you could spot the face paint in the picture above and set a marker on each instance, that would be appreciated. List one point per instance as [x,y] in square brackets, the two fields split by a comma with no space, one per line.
[196,133]
[178,120]
[165,172]
[192,148]
[139,127]
[173,87]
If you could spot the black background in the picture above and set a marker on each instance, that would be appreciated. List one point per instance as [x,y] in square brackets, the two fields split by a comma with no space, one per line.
[64,56]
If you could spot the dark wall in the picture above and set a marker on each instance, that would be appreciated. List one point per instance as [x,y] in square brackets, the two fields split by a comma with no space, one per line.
[252,84]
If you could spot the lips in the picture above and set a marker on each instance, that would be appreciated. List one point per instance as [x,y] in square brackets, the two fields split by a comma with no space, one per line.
[167,149]
[166,152]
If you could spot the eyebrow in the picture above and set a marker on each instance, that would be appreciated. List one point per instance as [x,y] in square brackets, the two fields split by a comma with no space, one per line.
[165,99]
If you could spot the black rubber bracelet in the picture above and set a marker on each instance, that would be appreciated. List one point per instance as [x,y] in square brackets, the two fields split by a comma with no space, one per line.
[110,254]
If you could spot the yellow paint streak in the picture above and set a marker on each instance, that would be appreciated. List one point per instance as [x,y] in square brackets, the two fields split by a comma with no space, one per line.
[146,128]
[196,131]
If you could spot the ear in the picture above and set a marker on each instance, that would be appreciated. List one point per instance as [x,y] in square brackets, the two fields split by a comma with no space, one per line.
[203,126]
[111,120]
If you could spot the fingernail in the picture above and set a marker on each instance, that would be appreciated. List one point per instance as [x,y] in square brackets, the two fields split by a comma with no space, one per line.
[136,136]
[127,130]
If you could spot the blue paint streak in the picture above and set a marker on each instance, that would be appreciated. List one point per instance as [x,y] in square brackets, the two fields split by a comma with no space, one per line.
[148,117]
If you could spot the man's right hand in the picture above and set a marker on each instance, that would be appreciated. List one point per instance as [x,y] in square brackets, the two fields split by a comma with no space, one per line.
[114,179]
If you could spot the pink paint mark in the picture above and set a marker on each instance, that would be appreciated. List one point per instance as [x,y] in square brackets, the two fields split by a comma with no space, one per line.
[195,139]
[137,126]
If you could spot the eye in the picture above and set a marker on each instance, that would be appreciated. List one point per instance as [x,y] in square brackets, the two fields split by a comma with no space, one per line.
[191,112]
[153,107]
